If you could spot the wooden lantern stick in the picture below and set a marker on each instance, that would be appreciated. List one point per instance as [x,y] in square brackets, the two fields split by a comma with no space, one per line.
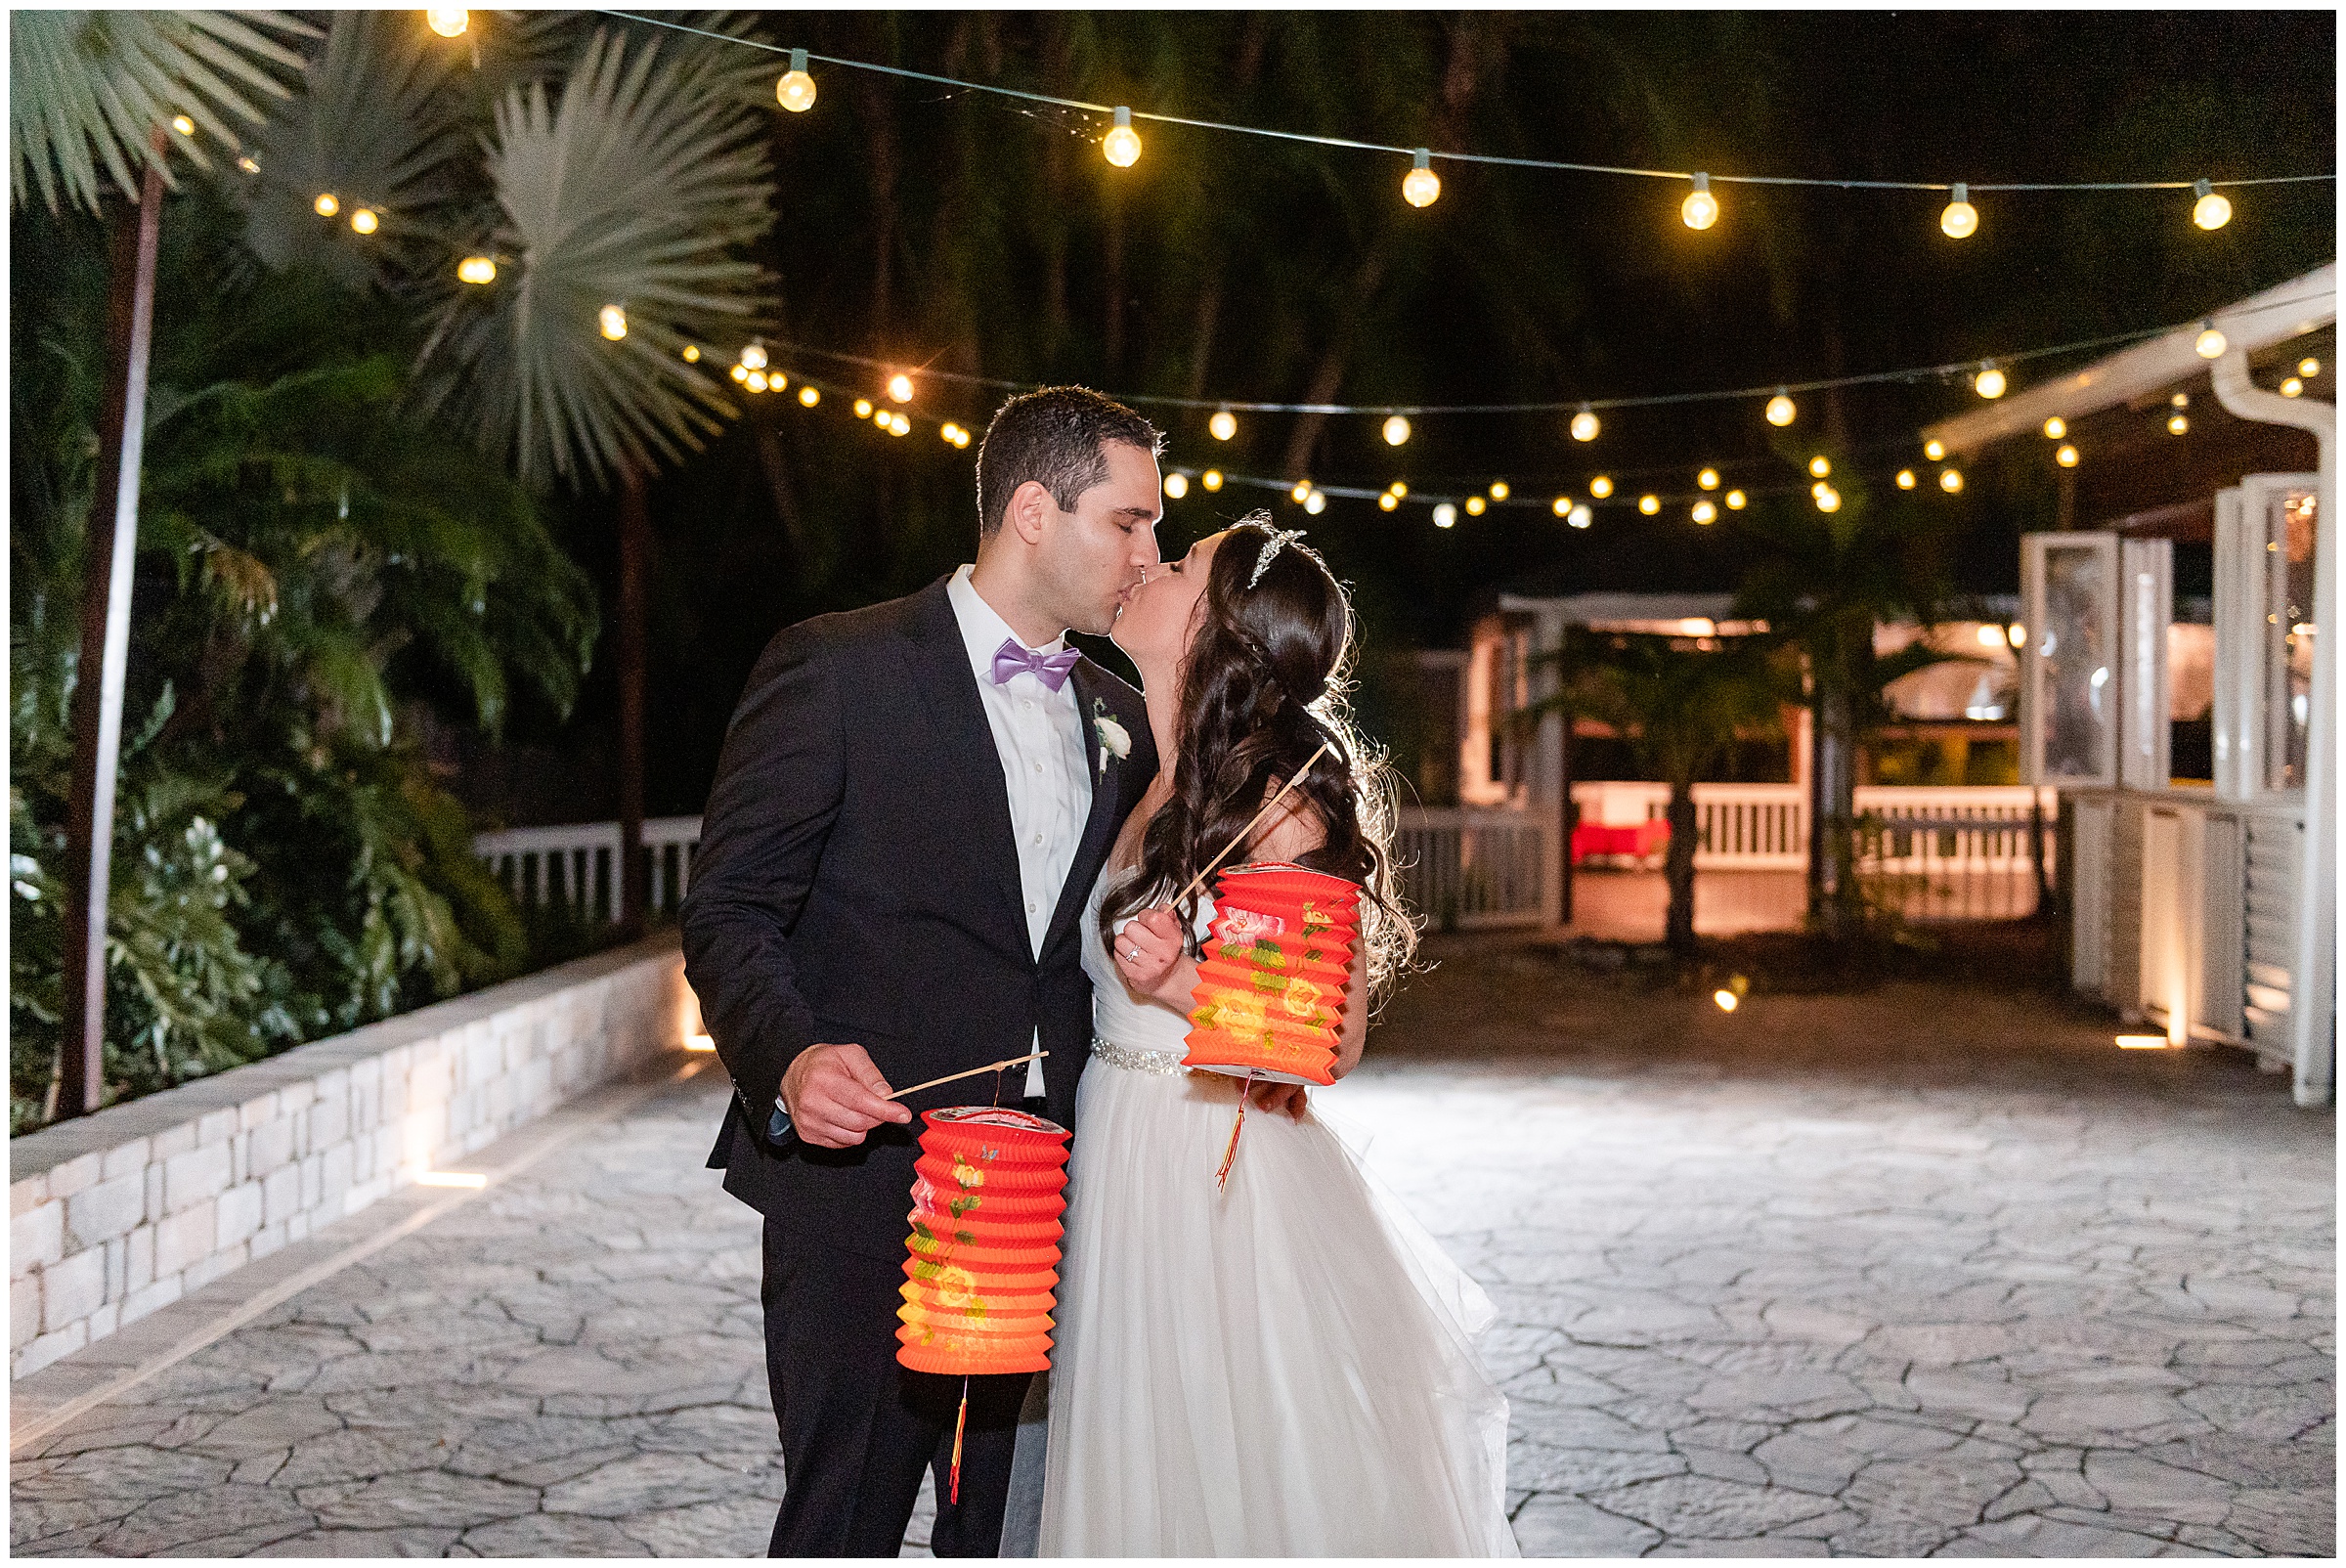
[1268,807]
[990,1066]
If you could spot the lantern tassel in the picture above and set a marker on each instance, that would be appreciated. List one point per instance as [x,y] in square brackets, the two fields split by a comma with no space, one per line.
[1229,1156]
[959,1422]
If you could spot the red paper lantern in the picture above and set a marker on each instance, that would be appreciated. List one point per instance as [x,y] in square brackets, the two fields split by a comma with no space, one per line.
[983,1260]
[1271,988]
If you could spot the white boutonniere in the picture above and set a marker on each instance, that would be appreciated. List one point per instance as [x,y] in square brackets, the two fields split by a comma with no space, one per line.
[1115,739]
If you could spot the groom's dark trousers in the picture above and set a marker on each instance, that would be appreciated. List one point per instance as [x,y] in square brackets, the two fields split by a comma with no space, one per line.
[856,883]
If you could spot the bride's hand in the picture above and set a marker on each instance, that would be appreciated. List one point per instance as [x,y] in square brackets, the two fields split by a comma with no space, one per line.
[1149,951]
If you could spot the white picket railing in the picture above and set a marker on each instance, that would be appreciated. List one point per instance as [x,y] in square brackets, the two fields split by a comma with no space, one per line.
[1470,866]
[576,864]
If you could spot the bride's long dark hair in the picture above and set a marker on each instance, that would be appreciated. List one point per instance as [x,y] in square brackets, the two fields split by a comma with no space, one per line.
[1265,683]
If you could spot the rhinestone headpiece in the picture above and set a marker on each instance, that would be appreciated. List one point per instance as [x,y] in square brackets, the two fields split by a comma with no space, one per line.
[1279,541]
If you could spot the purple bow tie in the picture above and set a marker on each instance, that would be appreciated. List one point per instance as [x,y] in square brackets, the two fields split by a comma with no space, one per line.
[1051,669]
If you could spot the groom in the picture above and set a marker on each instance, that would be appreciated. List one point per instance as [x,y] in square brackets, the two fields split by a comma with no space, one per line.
[911,807]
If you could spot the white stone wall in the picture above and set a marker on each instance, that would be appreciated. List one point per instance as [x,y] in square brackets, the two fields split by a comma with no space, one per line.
[115,1214]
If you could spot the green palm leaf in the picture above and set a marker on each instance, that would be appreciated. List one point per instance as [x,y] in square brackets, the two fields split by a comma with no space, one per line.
[91,87]
[635,189]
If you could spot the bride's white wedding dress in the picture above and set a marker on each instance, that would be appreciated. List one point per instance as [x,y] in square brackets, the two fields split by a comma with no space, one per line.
[1282,1369]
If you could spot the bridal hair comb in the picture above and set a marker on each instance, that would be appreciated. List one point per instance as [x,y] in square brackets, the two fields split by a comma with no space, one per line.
[1279,541]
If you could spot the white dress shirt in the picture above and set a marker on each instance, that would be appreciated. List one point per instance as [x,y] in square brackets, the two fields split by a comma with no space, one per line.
[1045,763]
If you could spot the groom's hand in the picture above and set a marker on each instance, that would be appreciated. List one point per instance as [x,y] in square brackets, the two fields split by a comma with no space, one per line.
[835,1096]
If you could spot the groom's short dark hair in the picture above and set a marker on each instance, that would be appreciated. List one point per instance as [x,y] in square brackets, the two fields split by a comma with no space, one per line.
[1053,436]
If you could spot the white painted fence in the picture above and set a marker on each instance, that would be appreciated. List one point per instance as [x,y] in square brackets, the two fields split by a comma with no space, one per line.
[576,864]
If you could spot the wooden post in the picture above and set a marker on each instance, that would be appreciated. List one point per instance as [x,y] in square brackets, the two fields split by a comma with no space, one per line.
[111,550]
[635,569]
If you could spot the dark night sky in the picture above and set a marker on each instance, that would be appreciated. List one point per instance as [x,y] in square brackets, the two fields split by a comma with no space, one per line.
[1619,299]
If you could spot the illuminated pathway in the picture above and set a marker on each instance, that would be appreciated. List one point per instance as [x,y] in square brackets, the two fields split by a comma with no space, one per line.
[1921,1271]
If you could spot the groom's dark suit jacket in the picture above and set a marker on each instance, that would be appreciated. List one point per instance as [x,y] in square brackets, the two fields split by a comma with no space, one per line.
[856,881]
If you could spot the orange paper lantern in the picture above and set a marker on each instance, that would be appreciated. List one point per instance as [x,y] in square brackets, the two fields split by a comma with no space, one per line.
[1271,988]
[983,1260]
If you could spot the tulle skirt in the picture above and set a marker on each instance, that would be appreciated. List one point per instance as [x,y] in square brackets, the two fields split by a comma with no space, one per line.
[1281,1369]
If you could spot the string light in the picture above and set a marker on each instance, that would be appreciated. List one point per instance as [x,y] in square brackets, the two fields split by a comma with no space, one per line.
[1828,499]
[1735,500]
[1708,479]
[1581,517]
[1303,488]
[2067,456]
[614,320]
[899,426]
[1704,512]
[753,355]
[1123,145]
[1499,490]
[796,90]
[741,373]
[1388,501]
[1446,515]
[365,221]
[1397,431]
[757,380]
[248,164]
[2309,368]
[1421,187]
[1700,209]
[2180,399]
[691,353]
[325,204]
[1399,489]
[1960,220]
[2210,345]
[476,270]
[1820,466]
[183,125]
[1950,480]
[448,22]
[1223,425]
[1906,479]
[899,387]
[1781,410]
[2178,424]
[1314,503]
[2293,387]
[1177,484]
[1211,479]
[808,397]
[863,405]
[1562,506]
[961,438]
[1935,449]
[1601,486]
[2055,428]
[1990,383]
[2211,211]
[1649,505]
[1474,506]
[1584,424]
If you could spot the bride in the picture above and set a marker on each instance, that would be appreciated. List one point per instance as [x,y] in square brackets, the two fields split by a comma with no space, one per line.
[1283,1367]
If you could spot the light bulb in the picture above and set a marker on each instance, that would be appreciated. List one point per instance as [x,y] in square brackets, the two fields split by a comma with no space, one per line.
[2293,387]
[1990,383]
[1177,484]
[1316,503]
[1819,487]
[2309,368]
[1421,185]
[2180,399]
[1781,410]
[796,90]
[2018,633]
[753,355]
[1950,480]
[1828,499]
[1474,506]
[1387,502]
[2055,428]
[1735,500]
[365,221]
[691,353]
[1123,143]
[1649,505]
[1701,209]
[947,431]
[1704,512]
[2067,456]
[1821,465]
[1584,424]
[2211,211]
[863,407]
[1905,479]
[1562,506]
[1223,425]
[2210,345]
[1581,517]
[739,373]
[1708,479]
[1601,486]
[1211,479]
[808,397]
[1960,220]
[899,387]
[882,418]
[1303,488]
[614,320]
[1499,490]
[248,164]
[1725,1000]
[2178,424]
[1935,449]
[1446,515]
[1399,487]
[183,125]
[1397,431]
[448,22]
[755,381]
[476,270]
[327,205]
[899,426]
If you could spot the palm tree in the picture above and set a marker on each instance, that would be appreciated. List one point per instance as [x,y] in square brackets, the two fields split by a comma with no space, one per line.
[1680,707]
[92,88]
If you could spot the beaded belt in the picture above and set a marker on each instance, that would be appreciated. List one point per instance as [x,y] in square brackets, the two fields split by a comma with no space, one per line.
[1165,1062]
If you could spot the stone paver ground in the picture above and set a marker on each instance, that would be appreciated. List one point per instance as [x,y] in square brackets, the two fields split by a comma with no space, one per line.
[1924,1271]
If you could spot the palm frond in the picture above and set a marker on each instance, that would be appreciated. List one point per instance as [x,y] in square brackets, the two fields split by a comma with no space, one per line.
[635,189]
[92,88]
